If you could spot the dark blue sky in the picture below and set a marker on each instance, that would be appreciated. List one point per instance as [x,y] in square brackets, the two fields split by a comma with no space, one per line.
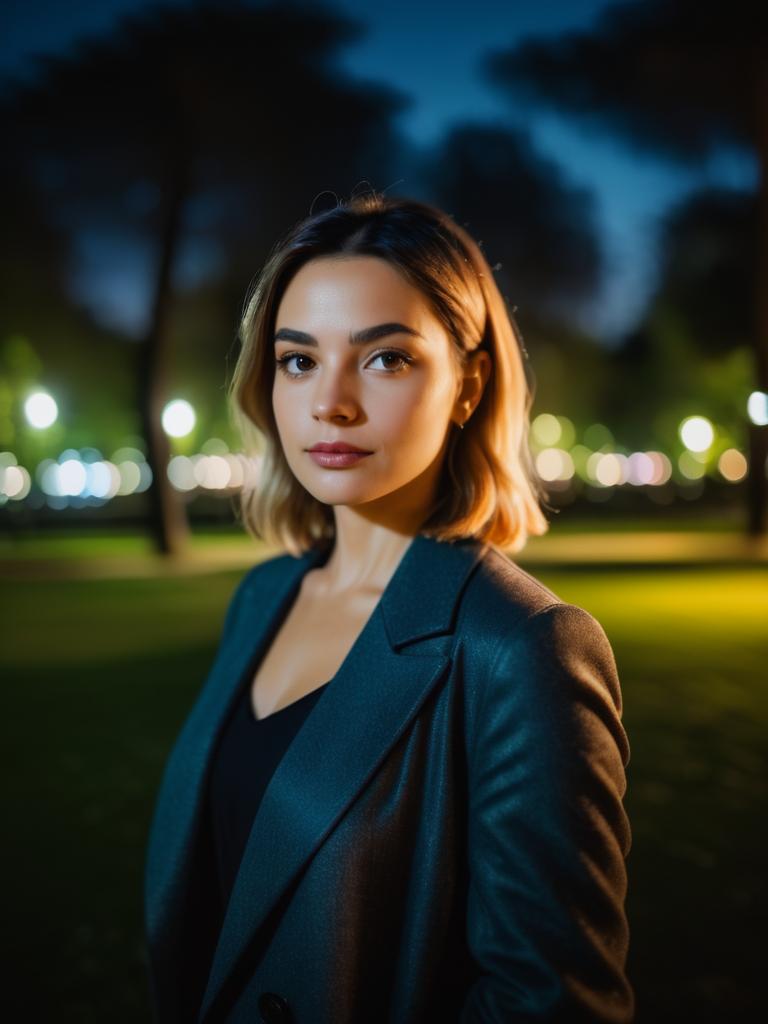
[432,49]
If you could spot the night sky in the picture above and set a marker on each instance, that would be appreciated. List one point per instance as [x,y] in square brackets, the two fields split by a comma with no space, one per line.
[432,50]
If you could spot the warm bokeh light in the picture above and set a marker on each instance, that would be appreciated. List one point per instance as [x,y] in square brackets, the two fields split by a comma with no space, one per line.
[546,430]
[640,469]
[697,433]
[608,468]
[41,410]
[757,408]
[212,472]
[554,464]
[662,468]
[178,418]
[15,481]
[732,465]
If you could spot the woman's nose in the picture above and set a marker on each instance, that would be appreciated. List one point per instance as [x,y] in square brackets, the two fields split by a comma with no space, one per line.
[334,395]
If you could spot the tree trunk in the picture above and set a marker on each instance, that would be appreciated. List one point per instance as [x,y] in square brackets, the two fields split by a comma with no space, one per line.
[167,514]
[758,435]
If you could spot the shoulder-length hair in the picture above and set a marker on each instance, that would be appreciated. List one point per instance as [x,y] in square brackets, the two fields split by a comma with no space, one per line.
[488,487]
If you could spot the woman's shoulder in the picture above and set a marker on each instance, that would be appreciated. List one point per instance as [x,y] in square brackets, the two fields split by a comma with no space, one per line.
[507,607]
[500,589]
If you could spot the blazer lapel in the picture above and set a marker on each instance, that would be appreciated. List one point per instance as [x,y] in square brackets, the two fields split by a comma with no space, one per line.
[357,719]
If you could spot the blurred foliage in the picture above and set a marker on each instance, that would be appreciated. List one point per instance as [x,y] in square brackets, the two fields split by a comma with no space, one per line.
[677,78]
[536,229]
[692,354]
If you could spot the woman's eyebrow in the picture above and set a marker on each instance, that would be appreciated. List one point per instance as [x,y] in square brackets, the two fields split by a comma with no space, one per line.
[362,337]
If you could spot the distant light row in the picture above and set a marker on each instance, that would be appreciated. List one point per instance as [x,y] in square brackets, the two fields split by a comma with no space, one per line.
[127,472]
[697,433]
[612,469]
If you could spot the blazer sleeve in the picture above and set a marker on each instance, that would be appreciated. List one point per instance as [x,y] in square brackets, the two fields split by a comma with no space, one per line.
[548,834]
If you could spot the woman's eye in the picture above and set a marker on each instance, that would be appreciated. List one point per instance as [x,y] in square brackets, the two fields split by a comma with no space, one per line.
[282,363]
[401,358]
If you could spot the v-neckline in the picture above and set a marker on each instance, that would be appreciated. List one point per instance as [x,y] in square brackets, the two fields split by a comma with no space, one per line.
[286,707]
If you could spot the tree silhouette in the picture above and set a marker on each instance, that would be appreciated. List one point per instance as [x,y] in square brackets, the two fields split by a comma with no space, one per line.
[530,221]
[709,244]
[679,79]
[213,99]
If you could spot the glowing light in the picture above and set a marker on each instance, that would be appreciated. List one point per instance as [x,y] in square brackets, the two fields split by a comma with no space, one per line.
[640,469]
[145,477]
[41,410]
[72,477]
[690,466]
[236,470]
[757,408]
[181,473]
[609,468]
[213,472]
[13,480]
[732,465]
[47,474]
[103,480]
[554,464]
[697,433]
[546,430]
[178,418]
[662,468]
[130,477]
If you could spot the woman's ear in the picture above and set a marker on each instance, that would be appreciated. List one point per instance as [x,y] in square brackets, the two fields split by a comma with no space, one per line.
[471,384]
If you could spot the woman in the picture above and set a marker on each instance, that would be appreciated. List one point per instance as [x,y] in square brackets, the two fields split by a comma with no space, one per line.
[398,797]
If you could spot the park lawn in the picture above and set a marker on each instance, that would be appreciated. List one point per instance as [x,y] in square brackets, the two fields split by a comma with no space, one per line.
[99,674]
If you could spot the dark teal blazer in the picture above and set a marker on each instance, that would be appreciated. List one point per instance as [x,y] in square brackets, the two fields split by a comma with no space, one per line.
[443,841]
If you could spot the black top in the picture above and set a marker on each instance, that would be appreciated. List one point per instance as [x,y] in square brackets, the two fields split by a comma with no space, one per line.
[246,756]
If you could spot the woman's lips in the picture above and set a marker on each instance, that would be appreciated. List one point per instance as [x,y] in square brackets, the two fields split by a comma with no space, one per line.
[337,460]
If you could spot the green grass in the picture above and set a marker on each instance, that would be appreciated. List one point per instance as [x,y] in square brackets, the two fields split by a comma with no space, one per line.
[98,676]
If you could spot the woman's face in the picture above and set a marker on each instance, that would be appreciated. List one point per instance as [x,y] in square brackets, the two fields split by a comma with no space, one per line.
[391,393]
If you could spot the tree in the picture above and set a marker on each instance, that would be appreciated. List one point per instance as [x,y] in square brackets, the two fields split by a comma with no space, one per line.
[680,79]
[535,227]
[217,100]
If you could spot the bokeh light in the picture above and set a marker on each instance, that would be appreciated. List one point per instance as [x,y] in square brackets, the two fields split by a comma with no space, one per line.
[546,430]
[554,464]
[178,418]
[697,433]
[757,408]
[41,410]
[732,465]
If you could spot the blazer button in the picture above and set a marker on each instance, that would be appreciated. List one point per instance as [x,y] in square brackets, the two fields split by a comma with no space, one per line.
[274,1009]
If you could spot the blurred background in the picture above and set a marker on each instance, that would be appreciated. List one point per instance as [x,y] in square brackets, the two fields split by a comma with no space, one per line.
[612,159]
